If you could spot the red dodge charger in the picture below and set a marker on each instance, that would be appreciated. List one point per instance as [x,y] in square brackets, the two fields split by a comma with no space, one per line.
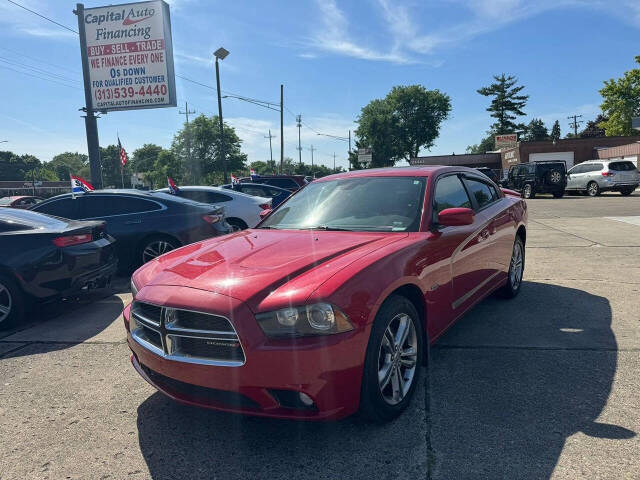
[329,305]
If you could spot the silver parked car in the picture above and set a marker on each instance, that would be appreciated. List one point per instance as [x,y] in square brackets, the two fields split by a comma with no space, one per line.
[596,176]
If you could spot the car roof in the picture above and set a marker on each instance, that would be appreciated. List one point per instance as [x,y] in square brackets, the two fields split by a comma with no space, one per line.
[30,218]
[411,171]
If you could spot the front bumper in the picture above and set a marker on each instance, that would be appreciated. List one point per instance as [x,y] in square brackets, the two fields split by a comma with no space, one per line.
[327,369]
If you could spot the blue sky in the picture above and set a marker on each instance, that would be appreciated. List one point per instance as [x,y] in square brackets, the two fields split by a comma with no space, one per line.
[332,57]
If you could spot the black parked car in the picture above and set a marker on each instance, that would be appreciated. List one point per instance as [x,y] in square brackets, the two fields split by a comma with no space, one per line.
[537,177]
[276,194]
[489,173]
[145,224]
[43,257]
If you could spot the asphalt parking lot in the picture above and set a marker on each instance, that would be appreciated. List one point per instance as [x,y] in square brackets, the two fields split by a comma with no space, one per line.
[543,386]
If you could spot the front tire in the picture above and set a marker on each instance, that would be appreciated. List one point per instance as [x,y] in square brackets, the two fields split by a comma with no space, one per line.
[516,270]
[11,303]
[558,194]
[237,224]
[392,363]
[527,191]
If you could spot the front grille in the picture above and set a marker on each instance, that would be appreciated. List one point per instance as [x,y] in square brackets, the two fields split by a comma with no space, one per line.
[186,336]
[198,393]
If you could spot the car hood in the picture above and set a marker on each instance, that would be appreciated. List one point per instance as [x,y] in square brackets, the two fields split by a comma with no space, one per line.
[265,268]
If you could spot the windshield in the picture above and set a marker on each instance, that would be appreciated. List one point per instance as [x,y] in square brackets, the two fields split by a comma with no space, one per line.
[391,204]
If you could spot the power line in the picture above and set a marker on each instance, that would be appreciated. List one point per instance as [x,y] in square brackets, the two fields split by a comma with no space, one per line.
[39,60]
[38,70]
[39,77]
[42,16]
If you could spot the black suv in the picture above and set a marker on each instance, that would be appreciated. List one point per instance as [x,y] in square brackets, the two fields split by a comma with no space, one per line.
[537,177]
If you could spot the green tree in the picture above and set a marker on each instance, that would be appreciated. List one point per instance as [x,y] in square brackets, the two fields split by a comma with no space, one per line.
[507,103]
[144,158]
[17,167]
[398,126]
[166,165]
[593,129]
[536,130]
[620,102]
[487,144]
[202,165]
[555,131]
[110,163]
[70,163]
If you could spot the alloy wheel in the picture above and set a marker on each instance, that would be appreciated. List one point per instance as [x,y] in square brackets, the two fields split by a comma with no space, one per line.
[516,267]
[397,359]
[6,303]
[556,177]
[592,189]
[526,191]
[155,249]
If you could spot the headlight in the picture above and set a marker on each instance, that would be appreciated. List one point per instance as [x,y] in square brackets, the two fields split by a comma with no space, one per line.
[315,319]
[134,288]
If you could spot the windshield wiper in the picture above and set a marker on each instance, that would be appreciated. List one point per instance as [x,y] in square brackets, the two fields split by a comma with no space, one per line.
[329,228]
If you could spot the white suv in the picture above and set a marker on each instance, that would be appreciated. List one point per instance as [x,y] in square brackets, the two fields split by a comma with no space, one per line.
[596,176]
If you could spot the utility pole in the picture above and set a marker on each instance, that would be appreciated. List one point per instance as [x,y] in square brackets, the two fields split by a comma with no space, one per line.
[270,148]
[281,126]
[221,54]
[299,125]
[349,153]
[575,123]
[312,150]
[90,120]
[334,162]
[186,114]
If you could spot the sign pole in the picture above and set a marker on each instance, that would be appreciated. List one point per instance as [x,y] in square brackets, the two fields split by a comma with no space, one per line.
[90,120]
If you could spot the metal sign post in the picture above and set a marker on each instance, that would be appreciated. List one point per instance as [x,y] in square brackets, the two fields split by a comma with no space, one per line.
[90,121]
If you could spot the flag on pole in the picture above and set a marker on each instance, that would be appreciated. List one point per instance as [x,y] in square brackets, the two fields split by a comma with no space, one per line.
[252,173]
[173,188]
[123,154]
[79,185]
[234,179]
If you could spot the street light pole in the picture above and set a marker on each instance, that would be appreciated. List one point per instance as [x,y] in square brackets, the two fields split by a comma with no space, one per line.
[221,54]
[281,127]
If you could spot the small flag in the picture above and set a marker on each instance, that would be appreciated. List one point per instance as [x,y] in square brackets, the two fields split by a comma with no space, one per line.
[234,179]
[123,155]
[173,188]
[252,172]
[79,185]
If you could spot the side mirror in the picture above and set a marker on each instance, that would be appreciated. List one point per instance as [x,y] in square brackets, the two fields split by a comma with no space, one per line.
[456,217]
[265,213]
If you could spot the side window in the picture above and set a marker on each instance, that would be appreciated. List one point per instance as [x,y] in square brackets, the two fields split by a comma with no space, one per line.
[281,182]
[195,195]
[12,227]
[576,169]
[135,205]
[64,207]
[481,192]
[215,197]
[450,193]
[254,190]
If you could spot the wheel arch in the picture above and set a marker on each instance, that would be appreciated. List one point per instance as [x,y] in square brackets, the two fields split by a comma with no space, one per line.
[150,236]
[522,233]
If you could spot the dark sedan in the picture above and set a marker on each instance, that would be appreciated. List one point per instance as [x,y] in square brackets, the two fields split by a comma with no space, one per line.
[19,201]
[43,257]
[145,224]
[276,194]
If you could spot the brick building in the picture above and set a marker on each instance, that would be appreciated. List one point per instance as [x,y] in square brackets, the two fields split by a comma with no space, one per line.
[571,150]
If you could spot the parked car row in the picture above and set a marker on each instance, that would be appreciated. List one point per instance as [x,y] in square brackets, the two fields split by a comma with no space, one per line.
[588,178]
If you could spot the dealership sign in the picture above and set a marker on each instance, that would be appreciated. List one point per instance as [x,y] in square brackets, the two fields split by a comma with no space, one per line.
[129,53]
[507,140]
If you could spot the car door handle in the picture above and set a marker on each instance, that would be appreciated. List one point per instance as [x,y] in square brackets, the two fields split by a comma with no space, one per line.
[132,222]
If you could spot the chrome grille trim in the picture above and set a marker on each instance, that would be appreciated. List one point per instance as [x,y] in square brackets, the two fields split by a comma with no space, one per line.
[169,333]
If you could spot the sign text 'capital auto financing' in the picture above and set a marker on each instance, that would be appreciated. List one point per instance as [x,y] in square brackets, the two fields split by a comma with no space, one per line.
[130,56]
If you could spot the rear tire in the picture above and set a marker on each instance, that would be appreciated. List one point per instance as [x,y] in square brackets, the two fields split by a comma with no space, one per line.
[593,189]
[527,191]
[626,191]
[11,303]
[153,247]
[392,360]
[516,270]
[558,194]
